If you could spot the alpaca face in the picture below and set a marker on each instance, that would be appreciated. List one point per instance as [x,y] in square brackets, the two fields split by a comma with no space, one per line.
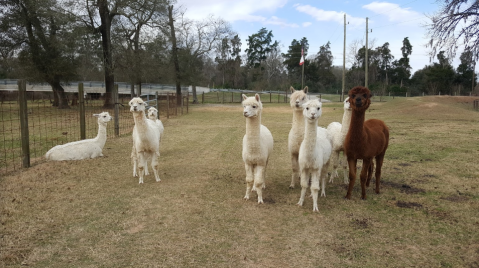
[312,109]
[103,117]
[359,98]
[252,106]
[152,113]
[347,105]
[137,105]
[298,98]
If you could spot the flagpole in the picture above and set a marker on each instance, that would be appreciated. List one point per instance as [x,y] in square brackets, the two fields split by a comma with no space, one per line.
[302,77]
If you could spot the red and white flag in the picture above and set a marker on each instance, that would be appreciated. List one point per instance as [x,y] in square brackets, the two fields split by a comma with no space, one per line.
[302,57]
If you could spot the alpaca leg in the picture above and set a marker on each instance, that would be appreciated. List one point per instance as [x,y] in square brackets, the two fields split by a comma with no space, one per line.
[322,178]
[345,169]
[370,173]
[315,178]
[363,177]
[334,161]
[141,165]
[379,164]
[259,182]
[295,165]
[304,186]
[352,176]
[134,160]
[155,166]
[249,180]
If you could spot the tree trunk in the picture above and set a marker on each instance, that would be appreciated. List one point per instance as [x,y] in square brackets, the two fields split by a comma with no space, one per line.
[60,94]
[175,55]
[105,31]
[195,99]
[132,90]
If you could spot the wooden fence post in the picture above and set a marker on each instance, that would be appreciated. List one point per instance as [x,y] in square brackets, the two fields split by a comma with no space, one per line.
[157,105]
[167,105]
[270,97]
[117,110]
[82,111]
[187,101]
[223,97]
[203,98]
[22,99]
[232,97]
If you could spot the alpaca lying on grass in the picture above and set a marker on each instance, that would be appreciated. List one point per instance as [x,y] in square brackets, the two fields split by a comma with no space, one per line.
[146,140]
[314,153]
[338,132]
[82,149]
[296,134]
[365,140]
[257,146]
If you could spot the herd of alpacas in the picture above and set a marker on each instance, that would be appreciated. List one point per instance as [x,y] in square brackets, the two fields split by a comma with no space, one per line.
[313,149]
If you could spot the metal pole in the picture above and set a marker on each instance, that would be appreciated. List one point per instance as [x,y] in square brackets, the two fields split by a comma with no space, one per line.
[344,60]
[22,99]
[117,110]
[366,58]
[82,111]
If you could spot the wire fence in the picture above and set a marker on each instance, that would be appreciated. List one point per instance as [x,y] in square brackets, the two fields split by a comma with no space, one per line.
[47,126]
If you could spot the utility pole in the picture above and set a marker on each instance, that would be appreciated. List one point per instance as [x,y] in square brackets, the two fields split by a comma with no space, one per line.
[366,58]
[344,59]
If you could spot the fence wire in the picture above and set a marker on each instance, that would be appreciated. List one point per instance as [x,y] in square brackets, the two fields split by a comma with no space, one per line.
[49,126]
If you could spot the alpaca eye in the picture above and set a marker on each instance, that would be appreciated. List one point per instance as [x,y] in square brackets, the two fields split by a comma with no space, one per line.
[354,96]
[307,108]
[318,108]
[365,96]
[254,107]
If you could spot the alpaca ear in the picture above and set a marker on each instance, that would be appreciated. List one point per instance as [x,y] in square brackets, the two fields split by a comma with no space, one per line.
[96,115]
[292,89]
[305,89]
[244,96]
[256,96]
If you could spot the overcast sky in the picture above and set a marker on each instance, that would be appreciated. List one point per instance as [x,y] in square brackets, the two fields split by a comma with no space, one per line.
[323,20]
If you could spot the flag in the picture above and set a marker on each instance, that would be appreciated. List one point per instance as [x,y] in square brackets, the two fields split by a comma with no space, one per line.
[302,57]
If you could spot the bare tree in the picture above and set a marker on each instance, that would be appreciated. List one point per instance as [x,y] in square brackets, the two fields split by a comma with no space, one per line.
[455,24]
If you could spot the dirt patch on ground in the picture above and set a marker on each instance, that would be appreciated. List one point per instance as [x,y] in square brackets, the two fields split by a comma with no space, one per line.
[404,188]
[403,204]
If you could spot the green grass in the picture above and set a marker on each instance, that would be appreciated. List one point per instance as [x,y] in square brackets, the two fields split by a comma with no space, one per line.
[93,213]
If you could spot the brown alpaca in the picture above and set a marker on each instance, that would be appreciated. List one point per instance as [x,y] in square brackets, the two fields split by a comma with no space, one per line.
[365,140]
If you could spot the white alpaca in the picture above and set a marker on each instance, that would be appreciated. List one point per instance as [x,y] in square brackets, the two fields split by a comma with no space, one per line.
[296,134]
[83,149]
[257,146]
[153,115]
[146,139]
[314,153]
[338,133]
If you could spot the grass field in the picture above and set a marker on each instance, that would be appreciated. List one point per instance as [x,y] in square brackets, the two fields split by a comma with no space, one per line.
[93,213]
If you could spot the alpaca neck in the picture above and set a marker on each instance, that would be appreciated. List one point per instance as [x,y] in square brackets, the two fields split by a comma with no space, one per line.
[356,127]
[298,121]
[253,126]
[346,122]
[101,137]
[310,133]
[140,123]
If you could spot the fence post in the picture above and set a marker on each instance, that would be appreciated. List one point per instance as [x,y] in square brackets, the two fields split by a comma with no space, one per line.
[203,98]
[167,105]
[22,99]
[270,97]
[82,111]
[157,105]
[181,104]
[117,110]
[223,97]
[232,97]
[187,101]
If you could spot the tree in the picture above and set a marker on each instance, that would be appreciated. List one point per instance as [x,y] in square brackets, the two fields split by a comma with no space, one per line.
[260,45]
[402,69]
[292,58]
[465,71]
[455,24]
[41,34]
[324,60]
[196,39]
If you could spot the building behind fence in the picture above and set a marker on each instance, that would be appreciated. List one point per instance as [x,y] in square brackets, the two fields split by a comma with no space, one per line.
[30,126]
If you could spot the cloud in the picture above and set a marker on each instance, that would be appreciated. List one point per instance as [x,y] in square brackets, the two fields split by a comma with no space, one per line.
[307,24]
[232,10]
[280,22]
[324,15]
[393,12]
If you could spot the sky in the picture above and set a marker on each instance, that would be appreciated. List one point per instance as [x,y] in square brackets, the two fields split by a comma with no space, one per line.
[321,21]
